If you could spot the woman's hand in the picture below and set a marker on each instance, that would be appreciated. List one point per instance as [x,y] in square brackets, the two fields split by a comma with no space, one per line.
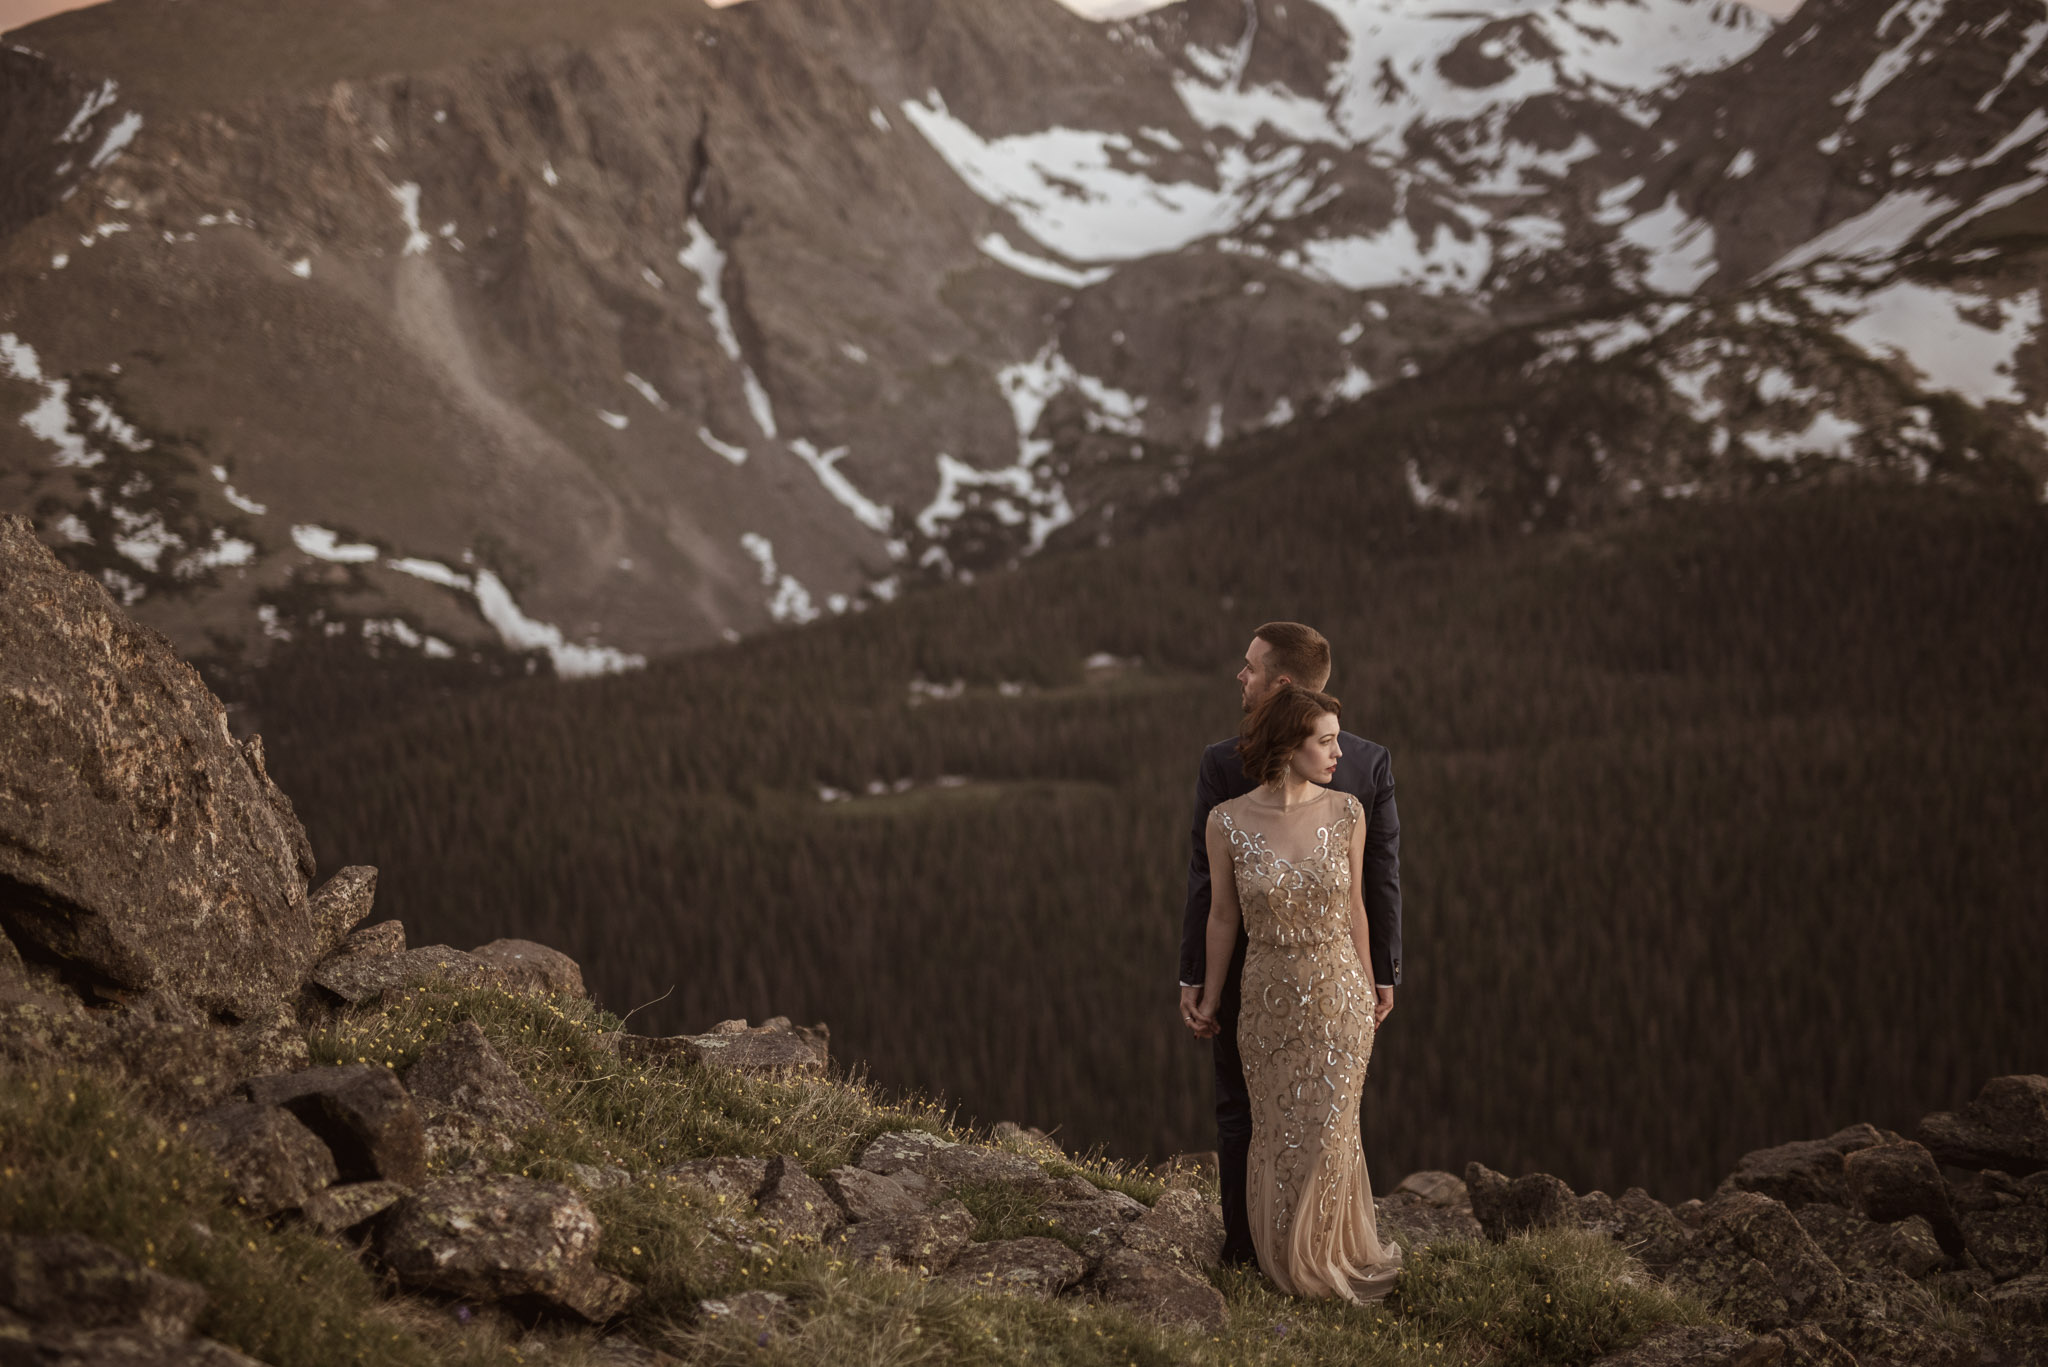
[1383,1005]
[1202,1020]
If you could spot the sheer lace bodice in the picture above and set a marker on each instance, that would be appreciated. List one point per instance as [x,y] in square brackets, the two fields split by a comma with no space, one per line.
[1305,1032]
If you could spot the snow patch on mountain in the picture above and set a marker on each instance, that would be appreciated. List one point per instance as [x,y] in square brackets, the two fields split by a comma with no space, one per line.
[518,631]
[790,601]
[1955,340]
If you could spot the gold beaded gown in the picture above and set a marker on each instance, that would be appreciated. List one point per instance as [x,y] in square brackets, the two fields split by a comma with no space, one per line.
[1305,1032]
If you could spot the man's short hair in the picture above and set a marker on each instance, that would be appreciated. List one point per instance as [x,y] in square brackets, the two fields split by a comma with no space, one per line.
[1299,652]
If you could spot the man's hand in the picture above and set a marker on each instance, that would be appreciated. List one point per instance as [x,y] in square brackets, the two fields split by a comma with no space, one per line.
[1190,1012]
[1384,1006]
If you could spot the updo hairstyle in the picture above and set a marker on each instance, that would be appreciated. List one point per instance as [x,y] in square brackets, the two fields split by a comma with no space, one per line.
[1276,728]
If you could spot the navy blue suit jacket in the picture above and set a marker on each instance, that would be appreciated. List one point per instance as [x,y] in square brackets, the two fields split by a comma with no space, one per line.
[1364,770]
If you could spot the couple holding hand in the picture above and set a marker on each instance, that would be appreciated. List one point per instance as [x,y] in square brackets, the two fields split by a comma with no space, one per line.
[1289,958]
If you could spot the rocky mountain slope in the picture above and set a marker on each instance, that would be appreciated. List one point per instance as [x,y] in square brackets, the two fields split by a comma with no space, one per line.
[333,1148]
[605,332]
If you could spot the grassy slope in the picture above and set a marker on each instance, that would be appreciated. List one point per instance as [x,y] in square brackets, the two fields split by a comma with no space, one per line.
[77,1154]
[1718,823]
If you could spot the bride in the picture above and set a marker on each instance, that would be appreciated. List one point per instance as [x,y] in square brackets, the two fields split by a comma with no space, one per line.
[1305,1030]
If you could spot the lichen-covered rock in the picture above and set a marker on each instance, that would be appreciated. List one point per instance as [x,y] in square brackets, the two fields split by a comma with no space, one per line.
[1855,1244]
[1030,1266]
[337,1210]
[273,1162]
[1421,1222]
[1099,1222]
[951,1164]
[360,1111]
[1804,1170]
[2010,1241]
[523,966]
[1535,1200]
[148,848]
[502,1238]
[1893,1181]
[341,904]
[1439,1188]
[865,1195]
[793,1202]
[1808,1345]
[72,1281]
[2023,1300]
[2006,1127]
[1888,1342]
[756,1309]
[1696,1345]
[1160,1291]
[1182,1226]
[468,1095]
[1753,1264]
[732,1182]
[774,1046]
[358,978]
[925,1241]
[377,939]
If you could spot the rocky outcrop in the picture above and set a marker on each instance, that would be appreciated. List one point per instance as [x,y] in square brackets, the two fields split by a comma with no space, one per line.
[140,844]
[2005,1128]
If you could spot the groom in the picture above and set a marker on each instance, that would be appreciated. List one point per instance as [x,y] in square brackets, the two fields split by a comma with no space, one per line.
[1282,652]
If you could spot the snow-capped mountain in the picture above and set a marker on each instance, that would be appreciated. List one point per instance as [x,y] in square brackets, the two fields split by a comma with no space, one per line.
[604,330]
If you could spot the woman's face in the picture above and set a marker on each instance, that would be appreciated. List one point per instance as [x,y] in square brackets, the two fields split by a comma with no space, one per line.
[1315,759]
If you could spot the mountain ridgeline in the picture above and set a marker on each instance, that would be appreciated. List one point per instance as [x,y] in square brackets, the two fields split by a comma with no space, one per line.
[599,332]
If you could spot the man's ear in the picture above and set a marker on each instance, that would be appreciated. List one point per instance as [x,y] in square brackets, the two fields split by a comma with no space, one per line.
[1283,681]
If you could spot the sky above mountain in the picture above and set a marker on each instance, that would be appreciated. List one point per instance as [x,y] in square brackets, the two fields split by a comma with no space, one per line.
[15,13]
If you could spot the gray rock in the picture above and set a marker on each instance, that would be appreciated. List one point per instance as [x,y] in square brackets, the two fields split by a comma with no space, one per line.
[766,1309]
[2006,1128]
[952,1165]
[1182,1226]
[1536,1200]
[733,1182]
[362,1114]
[1098,1223]
[502,1238]
[926,1241]
[1988,1190]
[1439,1188]
[2008,1242]
[148,848]
[1855,1244]
[1160,1291]
[794,1203]
[2023,1300]
[372,941]
[1892,1181]
[1753,1264]
[1029,1266]
[593,1178]
[865,1195]
[1802,1171]
[73,1282]
[341,904]
[1422,1222]
[774,1046]
[1649,1229]
[1696,1345]
[468,1095]
[349,1206]
[523,966]
[273,1162]
[358,978]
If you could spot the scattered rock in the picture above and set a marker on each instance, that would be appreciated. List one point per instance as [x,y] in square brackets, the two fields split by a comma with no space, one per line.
[1437,1187]
[763,1308]
[523,966]
[734,1182]
[926,1241]
[342,903]
[1030,1266]
[470,1096]
[1753,1264]
[1182,1226]
[1422,1222]
[1098,1223]
[593,1178]
[1534,1201]
[1802,1171]
[795,1204]
[1160,1291]
[145,846]
[774,1046]
[1689,1345]
[865,1195]
[502,1238]
[1892,1181]
[273,1162]
[72,1282]
[350,1205]
[950,1164]
[358,978]
[373,941]
[2009,1242]
[1855,1244]
[2006,1128]
[360,1111]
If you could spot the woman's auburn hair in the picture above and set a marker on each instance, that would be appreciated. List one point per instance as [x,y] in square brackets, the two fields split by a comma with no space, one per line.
[1275,729]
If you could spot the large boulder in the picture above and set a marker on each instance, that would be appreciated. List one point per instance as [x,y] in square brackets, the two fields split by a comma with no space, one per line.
[1804,1170]
[1753,1264]
[2005,1128]
[502,1238]
[138,841]
[360,1111]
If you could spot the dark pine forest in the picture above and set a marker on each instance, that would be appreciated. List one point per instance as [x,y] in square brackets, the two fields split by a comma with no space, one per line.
[1722,823]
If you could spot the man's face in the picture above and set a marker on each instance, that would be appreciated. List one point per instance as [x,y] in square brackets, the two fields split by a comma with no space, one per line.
[1256,678]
